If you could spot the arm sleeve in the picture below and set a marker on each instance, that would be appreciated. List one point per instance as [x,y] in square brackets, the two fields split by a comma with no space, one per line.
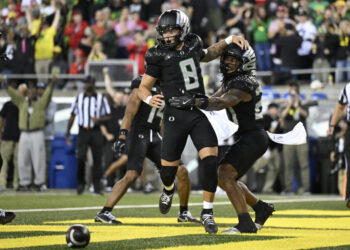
[16,98]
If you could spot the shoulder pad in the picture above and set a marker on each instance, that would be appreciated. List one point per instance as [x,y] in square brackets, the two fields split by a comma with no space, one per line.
[243,82]
[153,55]
[194,40]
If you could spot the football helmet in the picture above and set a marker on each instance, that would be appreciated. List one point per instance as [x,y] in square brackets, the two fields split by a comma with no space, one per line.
[246,58]
[173,19]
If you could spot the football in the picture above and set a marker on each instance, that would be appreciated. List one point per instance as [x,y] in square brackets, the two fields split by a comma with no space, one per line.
[78,236]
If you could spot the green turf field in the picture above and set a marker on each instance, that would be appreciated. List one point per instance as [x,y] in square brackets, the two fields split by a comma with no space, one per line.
[300,222]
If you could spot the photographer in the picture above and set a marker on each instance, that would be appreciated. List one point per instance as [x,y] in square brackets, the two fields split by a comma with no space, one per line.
[293,113]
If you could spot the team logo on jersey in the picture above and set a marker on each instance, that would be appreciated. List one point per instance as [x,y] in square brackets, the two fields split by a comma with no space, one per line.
[141,136]
[171,118]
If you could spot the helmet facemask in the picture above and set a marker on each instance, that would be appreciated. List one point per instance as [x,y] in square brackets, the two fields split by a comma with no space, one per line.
[164,41]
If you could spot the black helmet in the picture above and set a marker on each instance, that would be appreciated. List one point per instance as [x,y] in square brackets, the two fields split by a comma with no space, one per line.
[246,57]
[173,19]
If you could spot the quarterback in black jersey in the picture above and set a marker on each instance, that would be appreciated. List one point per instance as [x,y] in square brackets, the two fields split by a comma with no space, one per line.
[143,141]
[175,62]
[241,94]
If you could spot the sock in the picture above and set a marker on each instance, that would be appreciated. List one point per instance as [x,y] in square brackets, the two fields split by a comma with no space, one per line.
[183,209]
[244,218]
[208,205]
[106,209]
[207,211]
[259,205]
[169,189]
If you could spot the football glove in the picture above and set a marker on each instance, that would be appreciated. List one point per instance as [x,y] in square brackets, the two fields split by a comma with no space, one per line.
[186,101]
[119,147]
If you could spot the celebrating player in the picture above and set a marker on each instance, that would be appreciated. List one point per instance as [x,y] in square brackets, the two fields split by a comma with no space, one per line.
[175,62]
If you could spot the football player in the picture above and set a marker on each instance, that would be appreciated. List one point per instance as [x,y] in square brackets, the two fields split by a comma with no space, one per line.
[140,131]
[175,62]
[241,93]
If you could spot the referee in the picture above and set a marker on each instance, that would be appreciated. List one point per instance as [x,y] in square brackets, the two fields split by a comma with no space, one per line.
[343,103]
[92,109]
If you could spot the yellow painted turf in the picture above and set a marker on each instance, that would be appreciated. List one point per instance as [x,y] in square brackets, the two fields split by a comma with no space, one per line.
[297,232]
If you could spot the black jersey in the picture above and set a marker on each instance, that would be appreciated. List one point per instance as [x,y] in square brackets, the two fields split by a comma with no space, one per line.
[147,116]
[248,115]
[177,70]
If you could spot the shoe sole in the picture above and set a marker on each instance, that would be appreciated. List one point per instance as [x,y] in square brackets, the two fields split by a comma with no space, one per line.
[184,221]
[106,222]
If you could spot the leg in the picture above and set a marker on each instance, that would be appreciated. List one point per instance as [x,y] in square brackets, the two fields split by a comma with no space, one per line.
[39,158]
[117,193]
[273,165]
[96,148]
[24,160]
[183,185]
[82,147]
[6,156]
[289,162]
[116,165]
[303,158]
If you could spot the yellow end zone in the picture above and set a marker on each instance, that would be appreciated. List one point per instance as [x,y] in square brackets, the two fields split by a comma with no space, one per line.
[299,233]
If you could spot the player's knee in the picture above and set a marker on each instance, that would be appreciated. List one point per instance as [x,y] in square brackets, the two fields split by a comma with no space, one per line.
[210,173]
[182,173]
[167,174]
[131,176]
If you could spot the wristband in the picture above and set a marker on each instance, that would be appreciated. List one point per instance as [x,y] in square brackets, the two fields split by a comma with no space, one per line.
[148,99]
[228,40]
[123,132]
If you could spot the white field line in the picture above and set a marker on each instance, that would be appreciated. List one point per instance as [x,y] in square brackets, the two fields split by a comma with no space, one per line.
[306,199]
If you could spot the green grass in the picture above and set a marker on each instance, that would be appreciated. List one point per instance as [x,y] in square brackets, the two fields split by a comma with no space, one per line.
[51,200]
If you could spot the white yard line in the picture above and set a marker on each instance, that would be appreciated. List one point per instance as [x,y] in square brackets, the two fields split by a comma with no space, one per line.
[304,199]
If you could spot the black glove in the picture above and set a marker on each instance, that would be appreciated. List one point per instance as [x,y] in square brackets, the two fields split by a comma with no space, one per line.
[119,147]
[186,101]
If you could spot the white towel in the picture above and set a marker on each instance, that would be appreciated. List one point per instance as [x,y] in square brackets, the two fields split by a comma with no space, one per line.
[296,136]
[222,126]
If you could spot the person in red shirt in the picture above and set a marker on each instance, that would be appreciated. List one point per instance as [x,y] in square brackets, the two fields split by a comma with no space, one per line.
[137,51]
[78,66]
[75,32]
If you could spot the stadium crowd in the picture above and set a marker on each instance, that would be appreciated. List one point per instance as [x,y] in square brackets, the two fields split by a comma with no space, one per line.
[60,36]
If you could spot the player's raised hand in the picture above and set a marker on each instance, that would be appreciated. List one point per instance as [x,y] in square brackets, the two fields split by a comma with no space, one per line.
[241,42]
[156,101]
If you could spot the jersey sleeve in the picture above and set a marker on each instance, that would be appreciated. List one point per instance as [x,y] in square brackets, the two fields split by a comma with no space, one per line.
[153,64]
[135,84]
[343,98]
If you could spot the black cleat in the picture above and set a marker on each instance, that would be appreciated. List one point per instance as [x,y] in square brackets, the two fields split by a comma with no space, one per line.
[165,201]
[209,223]
[186,217]
[240,228]
[106,217]
[262,214]
[6,217]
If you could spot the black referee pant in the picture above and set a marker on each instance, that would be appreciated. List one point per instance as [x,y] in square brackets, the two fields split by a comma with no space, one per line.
[94,139]
[347,154]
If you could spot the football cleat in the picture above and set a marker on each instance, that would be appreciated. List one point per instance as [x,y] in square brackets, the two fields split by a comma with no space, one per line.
[241,229]
[209,223]
[165,201]
[6,217]
[106,217]
[186,217]
[262,215]
[78,236]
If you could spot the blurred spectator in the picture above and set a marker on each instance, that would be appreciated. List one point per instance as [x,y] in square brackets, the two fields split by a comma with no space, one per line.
[88,40]
[24,51]
[31,147]
[295,155]
[276,28]
[319,7]
[234,19]
[214,20]
[58,65]
[321,53]
[197,13]
[125,30]
[92,110]
[137,51]
[49,129]
[78,66]
[342,52]
[141,25]
[116,9]
[96,53]
[99,27]
[307,31]
[150,8]
[44,45]
[288,43]
[9,135]
[271,124]
[6,50]
[341,11]
[75,32]
[259,28]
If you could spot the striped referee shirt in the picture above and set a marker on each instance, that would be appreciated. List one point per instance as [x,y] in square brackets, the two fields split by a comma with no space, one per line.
[87,107]
[344,99]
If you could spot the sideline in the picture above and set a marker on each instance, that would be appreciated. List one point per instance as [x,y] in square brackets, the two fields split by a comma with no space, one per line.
[220,203]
